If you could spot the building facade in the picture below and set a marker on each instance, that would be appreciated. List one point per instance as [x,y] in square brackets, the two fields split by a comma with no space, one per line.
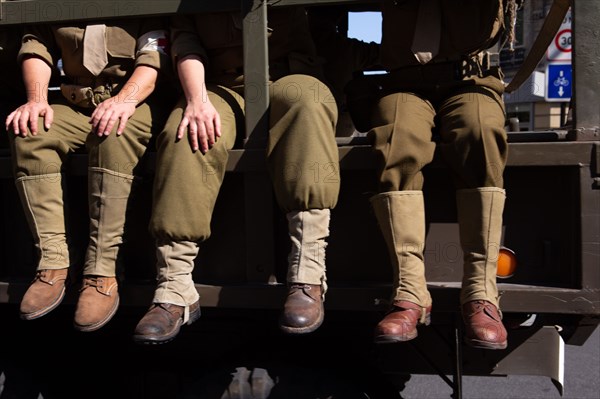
[540,103]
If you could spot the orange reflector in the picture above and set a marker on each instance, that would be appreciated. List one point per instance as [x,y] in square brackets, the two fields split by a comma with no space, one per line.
[507,263]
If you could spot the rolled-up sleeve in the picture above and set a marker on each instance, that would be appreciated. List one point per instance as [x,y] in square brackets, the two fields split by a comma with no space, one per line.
[185,40]
[152,45]
[39,42]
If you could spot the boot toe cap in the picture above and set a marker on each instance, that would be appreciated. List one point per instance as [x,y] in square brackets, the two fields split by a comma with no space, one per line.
[296,319]
[483,326]
[160,324]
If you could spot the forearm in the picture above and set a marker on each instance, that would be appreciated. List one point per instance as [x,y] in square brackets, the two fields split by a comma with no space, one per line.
[139,86]
[36,77]
[191,75]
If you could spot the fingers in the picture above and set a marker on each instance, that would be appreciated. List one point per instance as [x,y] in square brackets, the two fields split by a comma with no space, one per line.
[100,119]
[8,121]
[23,122]
[11,119]
[33,123]
[95,119]
[182,127]
[203,128]
[210,134]
[217,125]
[48,118]
[15,123]
[105,116]
[199,139]
[107,122]
[122,123]
[203,138]
[193,134]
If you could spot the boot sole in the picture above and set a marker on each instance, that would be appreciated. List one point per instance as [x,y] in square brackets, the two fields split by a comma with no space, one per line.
[394,339]
[46,310]
[475,343]
[101,323]
[145,340]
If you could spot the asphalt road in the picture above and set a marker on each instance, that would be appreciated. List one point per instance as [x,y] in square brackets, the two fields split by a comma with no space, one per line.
[582,380]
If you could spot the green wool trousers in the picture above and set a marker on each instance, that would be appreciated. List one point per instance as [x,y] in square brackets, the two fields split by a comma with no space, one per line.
[472,140]
[302,158]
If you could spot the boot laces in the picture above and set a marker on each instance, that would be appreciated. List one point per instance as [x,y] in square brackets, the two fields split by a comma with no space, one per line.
[40,275]
[92,281]
[481,306]
[165,306]
[304,289]
[300,286]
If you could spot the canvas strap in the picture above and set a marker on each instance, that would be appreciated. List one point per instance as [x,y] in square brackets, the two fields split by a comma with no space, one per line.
[553,21]
[426,42]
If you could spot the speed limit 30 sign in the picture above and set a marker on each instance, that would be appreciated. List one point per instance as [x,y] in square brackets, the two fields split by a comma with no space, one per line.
[560,49]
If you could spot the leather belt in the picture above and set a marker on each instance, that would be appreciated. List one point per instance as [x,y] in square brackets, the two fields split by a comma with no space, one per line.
[440,71]
[87,96]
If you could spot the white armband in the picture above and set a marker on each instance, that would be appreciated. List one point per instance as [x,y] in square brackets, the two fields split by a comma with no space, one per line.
[155,40]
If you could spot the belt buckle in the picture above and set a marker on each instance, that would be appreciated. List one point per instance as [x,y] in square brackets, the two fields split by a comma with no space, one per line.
[468,66]
[101,93]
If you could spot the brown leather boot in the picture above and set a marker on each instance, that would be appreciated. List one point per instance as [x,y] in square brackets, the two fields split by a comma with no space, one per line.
[483,325]
[97,304]
[163,321]
[44,294]
[303,310]
[400,323]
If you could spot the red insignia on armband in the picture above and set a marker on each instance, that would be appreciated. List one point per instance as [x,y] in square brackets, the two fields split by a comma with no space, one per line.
[155,40]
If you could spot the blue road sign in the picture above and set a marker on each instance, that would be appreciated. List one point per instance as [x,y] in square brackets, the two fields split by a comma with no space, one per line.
[559,82]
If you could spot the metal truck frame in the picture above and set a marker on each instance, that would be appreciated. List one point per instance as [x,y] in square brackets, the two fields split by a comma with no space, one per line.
[551,222]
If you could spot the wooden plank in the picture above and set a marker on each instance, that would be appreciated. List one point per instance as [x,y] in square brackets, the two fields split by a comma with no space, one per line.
[515,298]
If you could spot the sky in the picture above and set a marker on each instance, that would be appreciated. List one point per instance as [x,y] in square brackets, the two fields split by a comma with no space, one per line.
[365,26]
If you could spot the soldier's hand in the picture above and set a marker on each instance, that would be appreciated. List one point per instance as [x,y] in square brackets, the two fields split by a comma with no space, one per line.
[25,118]
[108,112]
[203,124]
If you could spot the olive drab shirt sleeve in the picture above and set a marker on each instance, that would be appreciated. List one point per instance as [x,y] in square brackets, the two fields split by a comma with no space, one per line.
[39,41]
[468,27]
[152,44]
[220,36]
[185,39]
